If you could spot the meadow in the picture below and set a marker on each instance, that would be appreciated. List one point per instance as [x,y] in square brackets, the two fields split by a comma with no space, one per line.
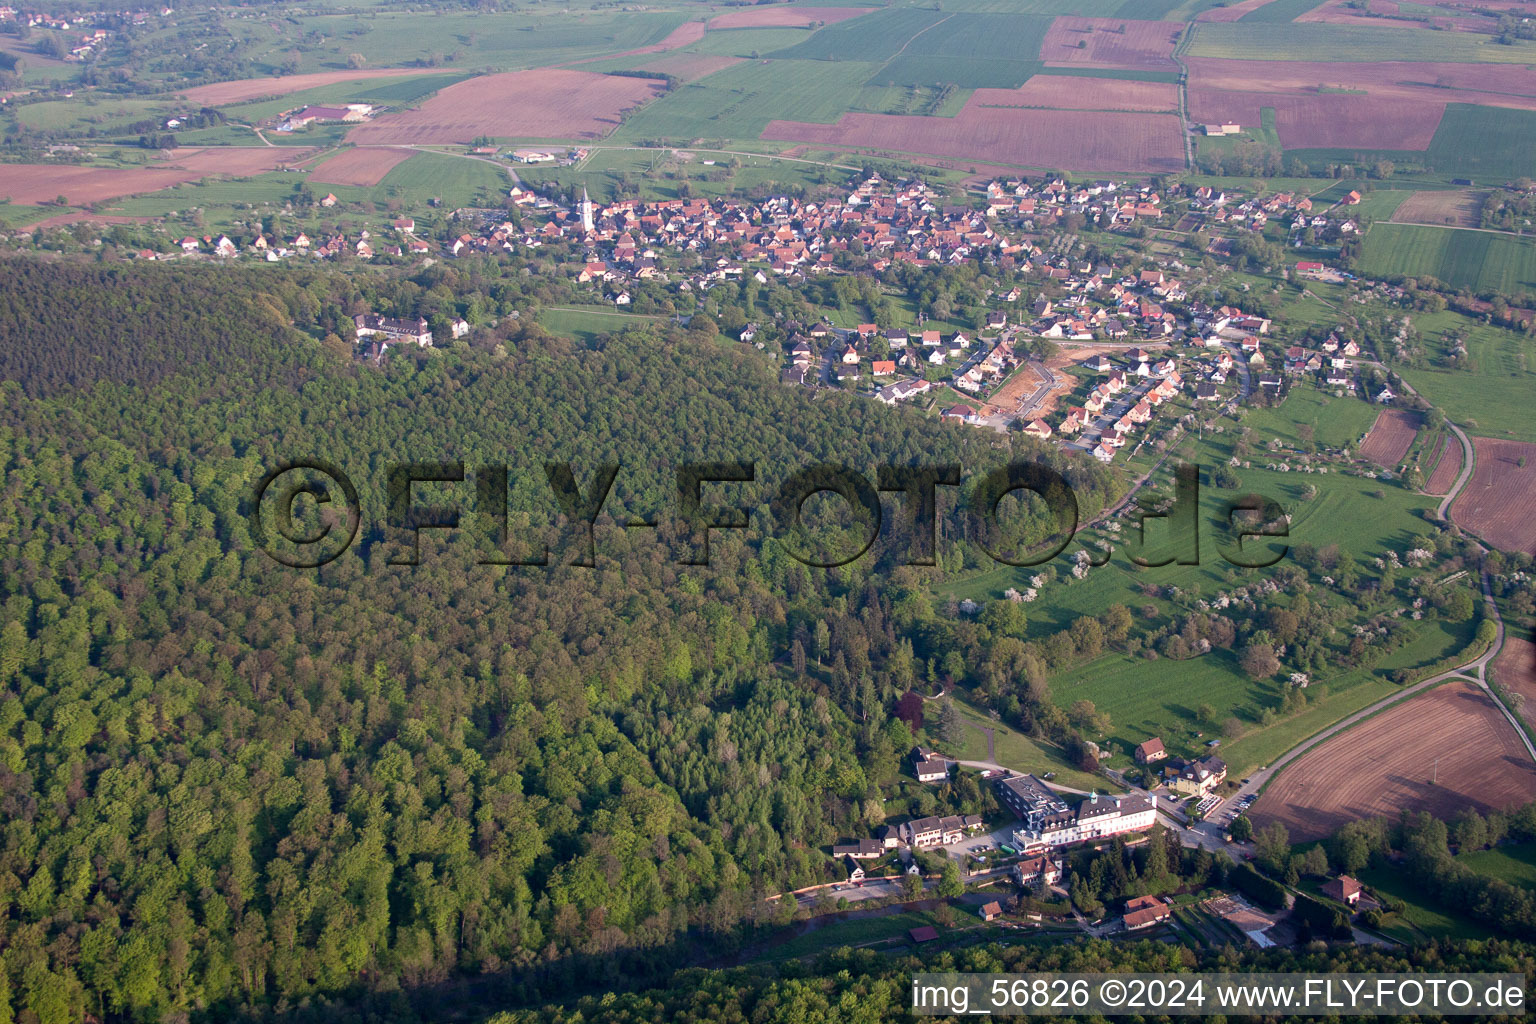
[1478,260]
[1513,862]
[587,325]
[1312,415]
[1494,399]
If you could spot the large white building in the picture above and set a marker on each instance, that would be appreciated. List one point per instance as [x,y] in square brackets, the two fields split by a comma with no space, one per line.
[1049,822]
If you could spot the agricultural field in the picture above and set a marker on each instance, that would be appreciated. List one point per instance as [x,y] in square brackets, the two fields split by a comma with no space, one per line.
[1446,468]
[82,185]
[873,37]
[1389,763]
[1486,141]
[1391,436]
[1514,670]
[1011,136]
[363,166]
[797,16]
[740,101]
[1113,43]
[246,90]
[456,180]
[1479,260]
[548,104]
[1070,93]
[1258,41]
[1497,501]
[464,39]
[1457,208]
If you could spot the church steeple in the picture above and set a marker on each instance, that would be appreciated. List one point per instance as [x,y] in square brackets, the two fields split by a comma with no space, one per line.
[588,223]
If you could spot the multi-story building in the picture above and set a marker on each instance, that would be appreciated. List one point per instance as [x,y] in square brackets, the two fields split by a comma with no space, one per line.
[1050,822]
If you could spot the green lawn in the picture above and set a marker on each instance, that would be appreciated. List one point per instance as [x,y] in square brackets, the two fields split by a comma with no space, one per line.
[1479,260]
[586,325]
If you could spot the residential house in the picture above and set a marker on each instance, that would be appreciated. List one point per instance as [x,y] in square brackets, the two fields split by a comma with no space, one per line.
[1344,889]
[1145,912]
[1150,750]
[1196,778]
[859,849]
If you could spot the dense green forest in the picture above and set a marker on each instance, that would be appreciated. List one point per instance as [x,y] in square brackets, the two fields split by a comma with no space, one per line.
[863,987]
[229,783]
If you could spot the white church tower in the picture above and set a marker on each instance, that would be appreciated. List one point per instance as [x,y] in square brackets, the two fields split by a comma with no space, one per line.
[587,221]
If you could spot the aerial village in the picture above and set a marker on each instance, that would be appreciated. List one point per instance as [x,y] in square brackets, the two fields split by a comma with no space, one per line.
[1143,340]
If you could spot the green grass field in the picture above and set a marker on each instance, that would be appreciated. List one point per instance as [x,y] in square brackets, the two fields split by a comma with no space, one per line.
[1331,422]
[1493,401]
[877,36]
[463,39]
[1277,11]
[1485,142]
[1250,40]
[1479,260]
[1513,862]
[1013,749]
[88,111]
[965,72]
[587,324]
[740,101]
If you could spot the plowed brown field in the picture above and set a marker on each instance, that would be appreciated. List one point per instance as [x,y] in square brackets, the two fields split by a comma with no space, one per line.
[360,166]
[1063,92]
[1112,43]
[1460,208]
[1496,504]
[1441,751]
[1022,137]
[40,183]
[1444,476]
[1515,672]
[221,94]
[1391,436]
[552,103]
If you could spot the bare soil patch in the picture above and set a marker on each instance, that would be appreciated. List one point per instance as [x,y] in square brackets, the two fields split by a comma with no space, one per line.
[364,165]
[1496,504]
[1458,208]
[1472,757]
[1391,436]
[550,103]
[221,94]
[1111,43]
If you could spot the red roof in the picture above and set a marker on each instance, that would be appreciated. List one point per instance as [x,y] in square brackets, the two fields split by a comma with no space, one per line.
[924,934]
